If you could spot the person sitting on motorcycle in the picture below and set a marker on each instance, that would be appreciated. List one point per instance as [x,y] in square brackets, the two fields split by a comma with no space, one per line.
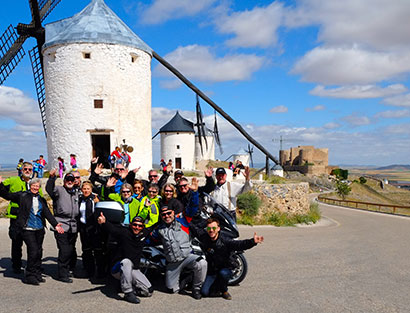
[126,266]
[149,207]
[218,250]
[174,235]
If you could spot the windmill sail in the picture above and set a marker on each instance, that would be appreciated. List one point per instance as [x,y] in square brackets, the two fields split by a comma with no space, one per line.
[11,52]
[39,82]
[200,125]
[216,135]
[46,6]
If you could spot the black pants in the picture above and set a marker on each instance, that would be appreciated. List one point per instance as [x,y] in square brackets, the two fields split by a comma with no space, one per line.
[16,244]
[92,248]
[34,242]
[67,255]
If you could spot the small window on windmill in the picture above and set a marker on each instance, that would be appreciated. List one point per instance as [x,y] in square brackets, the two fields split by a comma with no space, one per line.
[87,55]
[98,104]
[134,58]
[178,147]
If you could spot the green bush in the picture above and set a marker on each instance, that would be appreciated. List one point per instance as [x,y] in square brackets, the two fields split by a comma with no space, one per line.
[362,180]
[283,219]
[248,203]
[340,173]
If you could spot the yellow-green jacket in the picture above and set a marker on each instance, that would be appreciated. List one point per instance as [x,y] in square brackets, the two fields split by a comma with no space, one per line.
[150,214]
[133,206]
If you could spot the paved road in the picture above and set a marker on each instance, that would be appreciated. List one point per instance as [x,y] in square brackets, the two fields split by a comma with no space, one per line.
[355,261]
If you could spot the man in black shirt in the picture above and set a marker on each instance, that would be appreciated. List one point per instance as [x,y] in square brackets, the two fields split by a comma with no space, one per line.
[131,240]
[218,250]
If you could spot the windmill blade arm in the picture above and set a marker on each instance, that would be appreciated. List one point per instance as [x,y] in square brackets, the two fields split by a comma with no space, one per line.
[15,48]
[213,104]
[11,52]
[46,7]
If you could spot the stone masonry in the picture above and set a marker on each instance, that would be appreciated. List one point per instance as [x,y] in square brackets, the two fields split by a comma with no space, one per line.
[284,198]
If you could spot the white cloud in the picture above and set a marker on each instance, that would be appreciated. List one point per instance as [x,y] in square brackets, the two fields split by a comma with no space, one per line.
[355,120]
[252,28]
[358,92]
[399,101]
[378,24]
[16,106]
[399,129]
[393,114]
[315,108]
[279,109]
[331,125]
[161,11]
[338,66]
[198,62]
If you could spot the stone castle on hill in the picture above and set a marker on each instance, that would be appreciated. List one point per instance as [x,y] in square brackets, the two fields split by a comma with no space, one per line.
[306,160]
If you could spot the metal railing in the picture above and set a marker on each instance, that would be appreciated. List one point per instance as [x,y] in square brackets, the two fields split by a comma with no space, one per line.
[370,206]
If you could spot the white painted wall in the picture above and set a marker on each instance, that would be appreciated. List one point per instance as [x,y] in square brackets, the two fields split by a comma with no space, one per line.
[241,157]
[208,154]
[186,151]
[73,82]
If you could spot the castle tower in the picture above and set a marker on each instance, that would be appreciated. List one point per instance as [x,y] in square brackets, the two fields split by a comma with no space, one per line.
[178,142]
[98,88]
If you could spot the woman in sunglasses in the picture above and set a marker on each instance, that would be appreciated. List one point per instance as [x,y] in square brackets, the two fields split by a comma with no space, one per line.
[169,198]
[149,207]
[130,204]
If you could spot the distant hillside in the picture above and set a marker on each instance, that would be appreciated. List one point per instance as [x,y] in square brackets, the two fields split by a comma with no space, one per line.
[395,167]
[371,191]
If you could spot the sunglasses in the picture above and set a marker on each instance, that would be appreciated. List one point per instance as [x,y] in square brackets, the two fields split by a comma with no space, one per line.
[137,225]
[69,179]
[126,191]
[213,228]
[120,169]
[77,177]
[183,186]
[166,213]
[152,191]
[27,169]
[150,176]
[167,190]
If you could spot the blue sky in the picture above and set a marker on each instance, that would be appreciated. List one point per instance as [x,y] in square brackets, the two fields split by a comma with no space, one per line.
[325,73]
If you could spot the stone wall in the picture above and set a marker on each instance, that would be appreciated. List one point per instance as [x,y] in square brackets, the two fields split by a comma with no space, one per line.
[285,198]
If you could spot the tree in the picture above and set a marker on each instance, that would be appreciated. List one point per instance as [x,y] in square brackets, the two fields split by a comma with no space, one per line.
[342,189]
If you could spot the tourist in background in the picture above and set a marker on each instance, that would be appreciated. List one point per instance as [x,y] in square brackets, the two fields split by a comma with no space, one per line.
[43,164]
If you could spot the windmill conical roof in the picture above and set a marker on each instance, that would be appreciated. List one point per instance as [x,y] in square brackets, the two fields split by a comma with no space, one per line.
[178,124]
[96,23]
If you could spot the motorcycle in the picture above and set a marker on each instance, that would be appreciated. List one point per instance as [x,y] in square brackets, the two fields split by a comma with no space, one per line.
[154,259]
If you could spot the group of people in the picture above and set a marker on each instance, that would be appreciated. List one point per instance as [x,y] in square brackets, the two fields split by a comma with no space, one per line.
[118,156]
[38,166]
[155,211]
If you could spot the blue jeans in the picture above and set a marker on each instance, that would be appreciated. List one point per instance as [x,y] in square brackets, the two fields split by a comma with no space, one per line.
[40,173]
[219,281]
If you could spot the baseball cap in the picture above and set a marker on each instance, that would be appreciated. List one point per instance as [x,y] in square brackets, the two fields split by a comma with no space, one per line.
[179,172]
[69,177]
[220,170]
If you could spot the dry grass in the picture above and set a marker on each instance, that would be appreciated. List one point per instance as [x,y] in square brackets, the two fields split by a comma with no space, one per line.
[372,192]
